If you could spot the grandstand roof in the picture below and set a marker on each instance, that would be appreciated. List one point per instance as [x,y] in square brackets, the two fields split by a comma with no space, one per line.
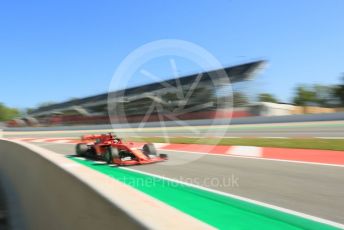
[236,73]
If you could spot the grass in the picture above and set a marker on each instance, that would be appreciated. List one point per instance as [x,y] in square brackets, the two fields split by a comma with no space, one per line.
[300,143]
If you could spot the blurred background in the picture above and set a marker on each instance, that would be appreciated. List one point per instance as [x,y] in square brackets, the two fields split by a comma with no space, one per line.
[57,60]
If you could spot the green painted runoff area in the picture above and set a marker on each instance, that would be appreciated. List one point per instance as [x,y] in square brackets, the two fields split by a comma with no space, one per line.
[217,210]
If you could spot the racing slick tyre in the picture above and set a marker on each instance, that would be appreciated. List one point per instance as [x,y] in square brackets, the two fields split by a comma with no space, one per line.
[81,149]
[149,149]
[163,155]
[110,154]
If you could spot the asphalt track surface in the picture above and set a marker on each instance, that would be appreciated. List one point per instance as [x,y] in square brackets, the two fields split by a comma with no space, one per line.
[316,190]
[327,129]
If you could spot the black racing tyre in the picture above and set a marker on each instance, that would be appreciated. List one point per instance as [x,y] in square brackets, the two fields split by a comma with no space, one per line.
[163,155]
[81,149]
[110,154]
[149,149]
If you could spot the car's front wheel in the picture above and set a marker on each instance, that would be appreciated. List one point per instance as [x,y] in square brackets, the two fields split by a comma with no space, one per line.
[81,149]
[110,154]
[149,150]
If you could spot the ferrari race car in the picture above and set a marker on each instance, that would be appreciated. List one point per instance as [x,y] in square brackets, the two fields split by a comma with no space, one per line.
[113,150]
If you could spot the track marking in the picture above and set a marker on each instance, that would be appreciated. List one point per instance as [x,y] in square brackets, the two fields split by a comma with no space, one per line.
[281,209]
[41,140]
[62,141]
[248,151]
[233,151]
[70,165]
[256,158]
[160,145]
[80,158]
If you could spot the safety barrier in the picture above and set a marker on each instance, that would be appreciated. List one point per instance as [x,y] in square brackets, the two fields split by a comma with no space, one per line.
[237,121]
[46,190]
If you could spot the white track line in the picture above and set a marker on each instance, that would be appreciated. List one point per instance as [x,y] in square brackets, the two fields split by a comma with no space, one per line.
[247,151]
[281,209]
[256,158]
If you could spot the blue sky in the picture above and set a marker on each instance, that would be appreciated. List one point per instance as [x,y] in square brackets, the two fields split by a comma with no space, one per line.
[56,50]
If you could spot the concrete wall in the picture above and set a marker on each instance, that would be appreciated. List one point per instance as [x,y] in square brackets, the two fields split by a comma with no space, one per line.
[45,197]
[312,110]
[46,190]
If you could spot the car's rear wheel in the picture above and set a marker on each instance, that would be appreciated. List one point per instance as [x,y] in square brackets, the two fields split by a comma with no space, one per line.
[81,149]
[110,154]
[149,150]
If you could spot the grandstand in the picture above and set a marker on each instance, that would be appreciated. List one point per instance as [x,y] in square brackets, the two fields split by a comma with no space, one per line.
[209,95]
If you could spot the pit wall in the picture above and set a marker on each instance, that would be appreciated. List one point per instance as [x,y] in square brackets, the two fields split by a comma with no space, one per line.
[45,190]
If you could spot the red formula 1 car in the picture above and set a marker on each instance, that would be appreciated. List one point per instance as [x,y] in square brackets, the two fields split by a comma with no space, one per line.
[113,150]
